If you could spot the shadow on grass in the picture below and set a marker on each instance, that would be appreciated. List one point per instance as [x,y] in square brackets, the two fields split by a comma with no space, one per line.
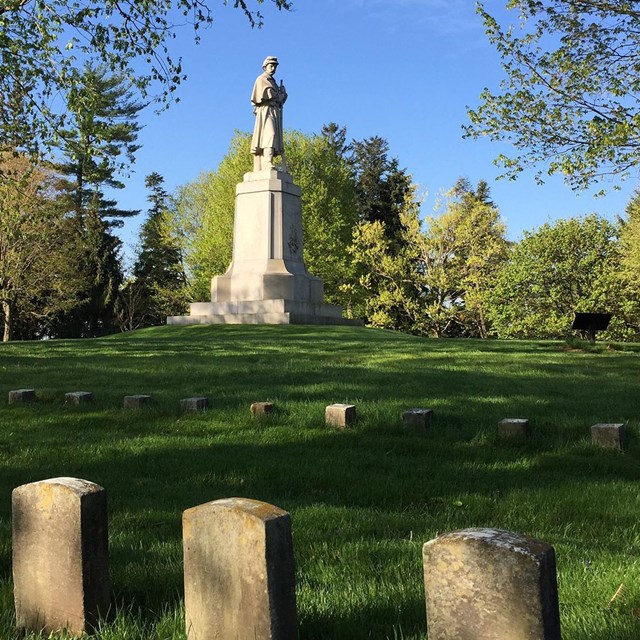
[361,500]
[369,485]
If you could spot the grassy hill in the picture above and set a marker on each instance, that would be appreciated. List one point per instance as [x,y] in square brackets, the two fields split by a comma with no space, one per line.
[362,500]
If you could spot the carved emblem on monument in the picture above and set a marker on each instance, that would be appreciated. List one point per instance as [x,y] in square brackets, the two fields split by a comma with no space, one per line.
[294,241]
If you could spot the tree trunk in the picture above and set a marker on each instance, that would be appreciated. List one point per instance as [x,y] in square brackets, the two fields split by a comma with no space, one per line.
[483,325]
[8,320]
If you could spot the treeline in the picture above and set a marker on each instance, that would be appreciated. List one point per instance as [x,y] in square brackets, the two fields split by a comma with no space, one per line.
[60,268]
[61,271]
[454,274]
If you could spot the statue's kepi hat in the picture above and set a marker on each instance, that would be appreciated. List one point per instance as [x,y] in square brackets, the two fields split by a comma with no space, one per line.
[270,60]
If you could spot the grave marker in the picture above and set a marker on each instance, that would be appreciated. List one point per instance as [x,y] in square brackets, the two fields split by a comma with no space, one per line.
[18,396]
[136,402]
[60,555]
[608,436]
[78,397]
[340,415]
[489,584]
[239,579]
[514,428]
[417,418]
[192,405]
[262,408]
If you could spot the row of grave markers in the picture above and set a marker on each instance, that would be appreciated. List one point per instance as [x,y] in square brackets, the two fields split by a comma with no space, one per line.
[606,435]
[239,573]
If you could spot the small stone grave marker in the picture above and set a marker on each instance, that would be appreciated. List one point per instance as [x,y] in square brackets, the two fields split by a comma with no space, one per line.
[18,396]
[608,436]
[60,555]
[420,418]
[239,577]
[192,405]
[514,428]
[340,415]
[262,408]
[78,397]
[136,402]
[489,584]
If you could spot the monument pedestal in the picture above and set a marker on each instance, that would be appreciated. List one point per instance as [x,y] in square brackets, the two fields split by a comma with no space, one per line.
[267,281]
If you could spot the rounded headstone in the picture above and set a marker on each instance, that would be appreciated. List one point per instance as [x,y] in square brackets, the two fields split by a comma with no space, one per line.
[239,577]
[490,584]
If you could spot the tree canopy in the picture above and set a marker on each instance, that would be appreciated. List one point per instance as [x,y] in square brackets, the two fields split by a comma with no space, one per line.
[433,278]
[552,272]
[100,141]
[39,274]
[157,285]
[44,45]
[570,103]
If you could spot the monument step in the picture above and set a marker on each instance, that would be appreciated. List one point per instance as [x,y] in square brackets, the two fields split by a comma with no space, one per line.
[264,306]
[263,318]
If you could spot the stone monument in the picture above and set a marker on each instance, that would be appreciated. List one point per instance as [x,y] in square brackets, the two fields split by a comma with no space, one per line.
[267,281]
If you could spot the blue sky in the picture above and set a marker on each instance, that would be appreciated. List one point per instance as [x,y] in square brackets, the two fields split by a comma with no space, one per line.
[401,69]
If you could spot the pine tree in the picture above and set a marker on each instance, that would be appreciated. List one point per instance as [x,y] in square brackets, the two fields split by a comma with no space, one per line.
[384,192]
[102,142]
[381,185]
[100,146]
[158,273]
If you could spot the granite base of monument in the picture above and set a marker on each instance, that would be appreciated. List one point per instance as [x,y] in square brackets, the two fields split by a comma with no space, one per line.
[267,281]
[263,312]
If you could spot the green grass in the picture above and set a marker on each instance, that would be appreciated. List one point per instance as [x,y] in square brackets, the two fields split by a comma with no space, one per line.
[363,500]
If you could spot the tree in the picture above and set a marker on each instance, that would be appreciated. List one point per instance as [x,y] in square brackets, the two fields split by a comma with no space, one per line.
[626,304]
[570,99]
[38,272]
[203,214]
[392,285]
[383,192]
[205,208]
[158,273]
[552,272]
[381,186]
[329,211]
[466,250]
[100,144]
[433,281]
[102,141]
[43,46]
[97,252]
[132,306]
